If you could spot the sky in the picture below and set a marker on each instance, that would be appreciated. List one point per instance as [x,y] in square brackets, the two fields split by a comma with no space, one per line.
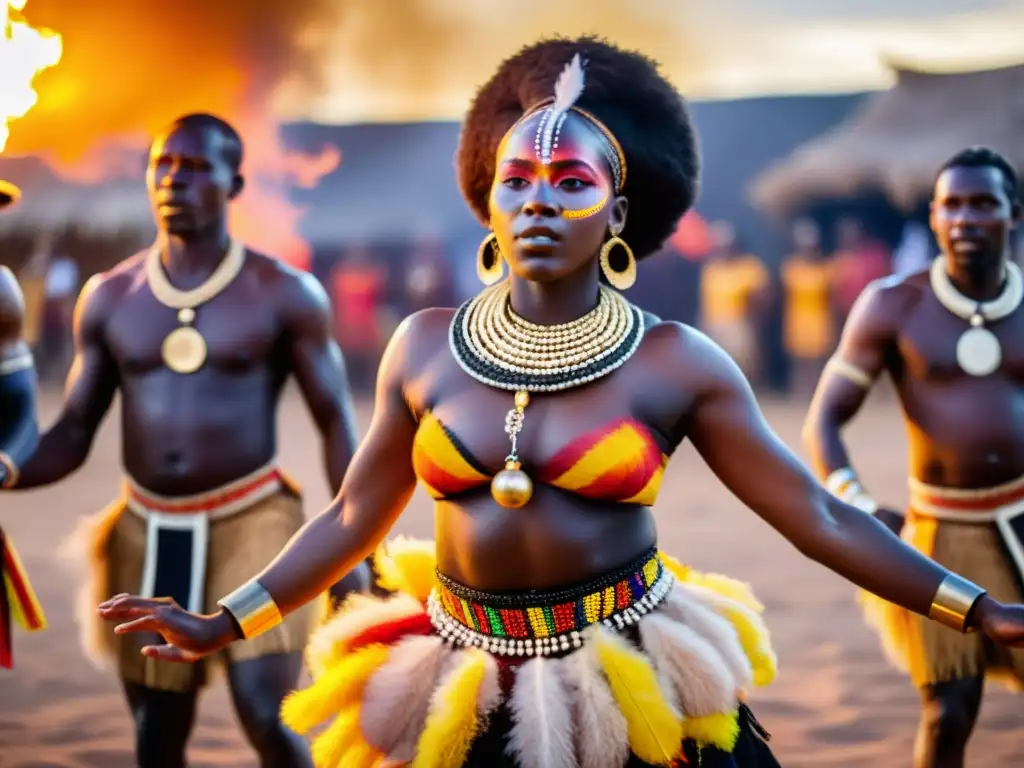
[422,59]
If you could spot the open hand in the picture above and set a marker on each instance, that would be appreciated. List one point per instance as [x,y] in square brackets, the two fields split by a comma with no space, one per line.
[1003,624]
[188,636]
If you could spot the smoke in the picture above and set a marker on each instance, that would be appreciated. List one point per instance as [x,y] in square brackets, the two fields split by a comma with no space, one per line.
[422,59]
[130,67]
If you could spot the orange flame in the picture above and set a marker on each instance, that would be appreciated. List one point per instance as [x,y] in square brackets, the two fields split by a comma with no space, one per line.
[128,69]
[24,53]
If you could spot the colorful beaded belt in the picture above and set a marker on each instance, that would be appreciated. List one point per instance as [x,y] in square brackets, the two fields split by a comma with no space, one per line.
[545,623]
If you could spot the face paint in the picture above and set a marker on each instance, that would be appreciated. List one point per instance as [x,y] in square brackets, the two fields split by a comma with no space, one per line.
[553,196]
[575,173]
[549,129]
[584,213]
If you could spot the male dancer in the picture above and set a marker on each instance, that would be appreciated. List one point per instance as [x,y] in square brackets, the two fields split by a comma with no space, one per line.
[199,335]
[951,337]
[19,435]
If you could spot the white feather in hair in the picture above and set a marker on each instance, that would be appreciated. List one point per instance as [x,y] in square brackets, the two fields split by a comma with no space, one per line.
[569,86]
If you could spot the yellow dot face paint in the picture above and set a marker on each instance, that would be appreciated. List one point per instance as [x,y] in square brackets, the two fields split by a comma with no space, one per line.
[585,213]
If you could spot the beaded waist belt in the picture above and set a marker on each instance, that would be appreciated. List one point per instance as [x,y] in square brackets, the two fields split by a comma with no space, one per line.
[545,623]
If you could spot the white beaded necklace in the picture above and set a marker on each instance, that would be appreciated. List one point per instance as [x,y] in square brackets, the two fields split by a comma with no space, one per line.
[977,350]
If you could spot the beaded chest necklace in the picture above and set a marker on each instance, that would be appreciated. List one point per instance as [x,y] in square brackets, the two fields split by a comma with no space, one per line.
[502,350]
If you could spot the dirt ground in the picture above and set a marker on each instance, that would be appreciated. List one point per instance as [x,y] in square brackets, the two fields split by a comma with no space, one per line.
[835,703]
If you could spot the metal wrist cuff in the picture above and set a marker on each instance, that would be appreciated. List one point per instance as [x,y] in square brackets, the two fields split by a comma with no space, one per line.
[10,477]
[839,479]
[953,602]
[253,608]
[845,486]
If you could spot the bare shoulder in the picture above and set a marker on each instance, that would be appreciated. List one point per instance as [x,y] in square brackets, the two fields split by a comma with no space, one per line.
[298,294]
[118,278]
[885,303]
[688,357]
[417,342]
[101,292]
[424,334]
[11,299]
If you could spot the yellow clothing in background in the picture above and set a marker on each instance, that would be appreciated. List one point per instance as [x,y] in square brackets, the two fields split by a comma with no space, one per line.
[34,291]
[727,287]
[808,328]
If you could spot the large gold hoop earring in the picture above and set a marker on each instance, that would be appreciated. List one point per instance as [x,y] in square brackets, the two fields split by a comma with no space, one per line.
[488,261]
[623,278]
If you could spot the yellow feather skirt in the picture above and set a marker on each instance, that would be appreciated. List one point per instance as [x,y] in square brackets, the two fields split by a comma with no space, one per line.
[929,652]
[389,691]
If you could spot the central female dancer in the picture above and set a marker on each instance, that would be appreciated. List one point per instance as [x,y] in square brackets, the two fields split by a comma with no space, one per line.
[540,415]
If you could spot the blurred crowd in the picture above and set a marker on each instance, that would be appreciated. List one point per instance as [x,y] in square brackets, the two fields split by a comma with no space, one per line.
[815,290]
[707,276]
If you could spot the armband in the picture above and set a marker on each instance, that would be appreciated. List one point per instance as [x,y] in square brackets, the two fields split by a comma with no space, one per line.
[845,486]
[850,372]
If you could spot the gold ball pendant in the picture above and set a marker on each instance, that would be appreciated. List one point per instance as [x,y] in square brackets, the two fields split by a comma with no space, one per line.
[512,488]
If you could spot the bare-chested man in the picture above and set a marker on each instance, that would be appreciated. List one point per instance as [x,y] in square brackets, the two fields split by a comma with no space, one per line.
[199,335]
[952,340]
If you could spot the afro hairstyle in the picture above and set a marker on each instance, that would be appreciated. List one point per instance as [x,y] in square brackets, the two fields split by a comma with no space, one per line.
[626,92]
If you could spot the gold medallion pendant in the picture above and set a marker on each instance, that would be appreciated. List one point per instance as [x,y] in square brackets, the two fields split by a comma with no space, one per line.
[184,349]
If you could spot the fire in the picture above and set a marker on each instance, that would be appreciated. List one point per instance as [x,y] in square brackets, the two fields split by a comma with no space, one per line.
[128,69]
[24,52]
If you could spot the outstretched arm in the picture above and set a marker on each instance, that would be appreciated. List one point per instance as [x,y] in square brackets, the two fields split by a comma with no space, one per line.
[319,369]
[89,391]
[851,372]
[376,489]
[730,432]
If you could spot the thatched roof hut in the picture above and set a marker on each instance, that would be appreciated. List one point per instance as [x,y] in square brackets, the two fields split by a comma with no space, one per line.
[50,203]
[894,143]
[97,225]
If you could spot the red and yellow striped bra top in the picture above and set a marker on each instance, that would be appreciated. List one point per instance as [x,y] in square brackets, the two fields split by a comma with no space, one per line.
[620,462]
